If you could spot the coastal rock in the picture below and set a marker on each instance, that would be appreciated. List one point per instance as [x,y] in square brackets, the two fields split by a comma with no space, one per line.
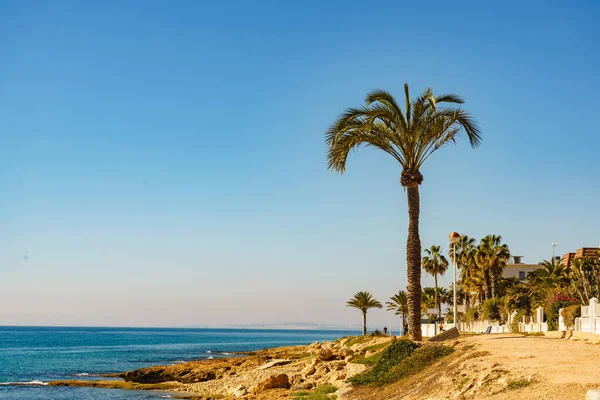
[308,370]
[354,369]
[325,354]
[592,394]
[239,391]
[306,385]
[272,382]
[346,351]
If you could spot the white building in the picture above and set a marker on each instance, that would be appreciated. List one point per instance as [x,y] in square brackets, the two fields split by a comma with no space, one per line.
[518,269]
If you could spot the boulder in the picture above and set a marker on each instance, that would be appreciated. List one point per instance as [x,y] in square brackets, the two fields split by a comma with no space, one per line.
[325,354]
[239,391]
[272,382]
[449,334]
[346,351]
[592,394]
[306,385]
[355,369]
[308,370]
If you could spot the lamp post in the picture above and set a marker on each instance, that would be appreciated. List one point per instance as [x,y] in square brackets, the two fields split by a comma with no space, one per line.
[454,239]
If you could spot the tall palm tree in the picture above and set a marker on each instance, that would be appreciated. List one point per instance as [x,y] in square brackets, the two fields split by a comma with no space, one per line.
[399,304]
[427,301]
[363,301]
[491,257]
[410,136]
[434,263]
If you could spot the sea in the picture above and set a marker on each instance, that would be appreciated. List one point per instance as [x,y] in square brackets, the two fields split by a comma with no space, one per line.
[32,356]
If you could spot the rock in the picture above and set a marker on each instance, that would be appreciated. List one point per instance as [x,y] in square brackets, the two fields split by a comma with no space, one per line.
[325,354]
[274,363]
[354,369]
[346,351]
[296,379]
[321,371]
[239,391]
[306,385]
[348,359]
[336,365]
[308,370]
[344,391]
[592,394]
[336,376]
[272,382]
[449,334]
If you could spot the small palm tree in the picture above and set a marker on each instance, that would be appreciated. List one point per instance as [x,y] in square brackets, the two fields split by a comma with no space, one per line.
[410,136]
[363,301]
[434,263]
[399,304]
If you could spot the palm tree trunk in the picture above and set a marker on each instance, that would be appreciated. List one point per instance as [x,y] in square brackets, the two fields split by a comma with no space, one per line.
[487,284]
[413,262]
[364,323]
[494,280]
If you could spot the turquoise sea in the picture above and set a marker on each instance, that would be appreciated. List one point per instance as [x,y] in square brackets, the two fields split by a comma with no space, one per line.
[32,356]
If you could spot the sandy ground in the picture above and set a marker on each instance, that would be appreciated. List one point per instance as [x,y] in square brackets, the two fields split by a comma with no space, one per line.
[483,366]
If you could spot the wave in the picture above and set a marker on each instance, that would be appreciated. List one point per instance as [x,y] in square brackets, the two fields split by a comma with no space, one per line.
[210,358]
[30,383]
[82,374]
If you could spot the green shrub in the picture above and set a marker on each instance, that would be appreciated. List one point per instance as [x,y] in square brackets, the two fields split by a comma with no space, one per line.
[417,362]
[471,315]
[516,384]
[514,325]
[555,304]
[388,359]
[376,332]
[491,310]
[319,393]
[569,314]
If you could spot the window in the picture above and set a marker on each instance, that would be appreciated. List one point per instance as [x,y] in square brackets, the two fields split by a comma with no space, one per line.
[521,274]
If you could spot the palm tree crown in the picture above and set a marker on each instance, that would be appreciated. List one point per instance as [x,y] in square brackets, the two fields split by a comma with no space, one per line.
[399,304]
[363,301]
[426,124]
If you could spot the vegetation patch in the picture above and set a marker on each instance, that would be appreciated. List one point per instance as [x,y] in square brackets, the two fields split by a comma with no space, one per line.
[517,384]
[417,362]
[388,359]
[401,360]
[373,359]
[321,392]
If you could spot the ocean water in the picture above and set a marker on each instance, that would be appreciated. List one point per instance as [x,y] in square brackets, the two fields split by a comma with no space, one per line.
[32,356]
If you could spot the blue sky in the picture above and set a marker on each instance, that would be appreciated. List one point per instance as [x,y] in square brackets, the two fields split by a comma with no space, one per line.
[164,163]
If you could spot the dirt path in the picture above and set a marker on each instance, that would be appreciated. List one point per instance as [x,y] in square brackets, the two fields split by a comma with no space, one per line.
[503,367]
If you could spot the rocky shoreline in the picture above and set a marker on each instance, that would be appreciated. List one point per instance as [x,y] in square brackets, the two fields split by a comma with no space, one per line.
[265,374]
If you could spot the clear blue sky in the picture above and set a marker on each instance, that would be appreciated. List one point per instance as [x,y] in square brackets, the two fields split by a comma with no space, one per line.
[163,163]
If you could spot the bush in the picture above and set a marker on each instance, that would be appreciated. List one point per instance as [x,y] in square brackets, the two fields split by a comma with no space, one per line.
[471,315]
[390,357]
[417,362]
[569,314]
[557,302]
[376,332]
[514,325]
[491,310]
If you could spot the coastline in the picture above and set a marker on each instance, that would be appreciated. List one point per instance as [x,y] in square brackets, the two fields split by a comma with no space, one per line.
[264,374]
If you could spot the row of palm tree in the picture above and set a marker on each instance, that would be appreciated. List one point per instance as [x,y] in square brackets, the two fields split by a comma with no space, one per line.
[410,135]
[480,265]
[398,303]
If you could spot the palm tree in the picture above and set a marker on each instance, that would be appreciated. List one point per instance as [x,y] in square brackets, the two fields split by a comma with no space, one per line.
[363,301]
[410,136]
[491,257]
[428,301]
[465,249]
[434,263]
[399,304]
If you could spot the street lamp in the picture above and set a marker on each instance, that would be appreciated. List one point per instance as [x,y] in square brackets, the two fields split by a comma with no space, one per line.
[554,244]
[454,239]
